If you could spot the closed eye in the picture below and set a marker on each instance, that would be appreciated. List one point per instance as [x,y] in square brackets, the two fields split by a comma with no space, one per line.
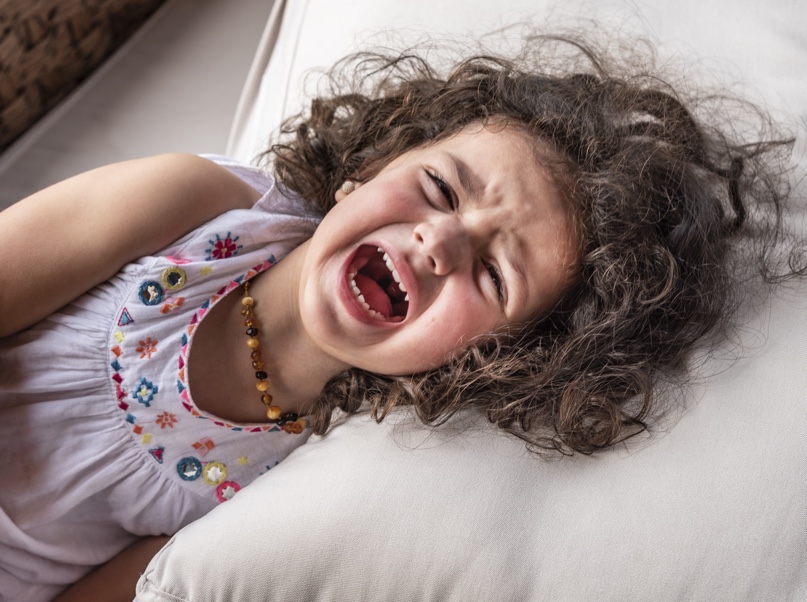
[498,281]
[445,190]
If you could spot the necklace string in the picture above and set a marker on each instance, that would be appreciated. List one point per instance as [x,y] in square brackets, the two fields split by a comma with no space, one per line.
[288,421]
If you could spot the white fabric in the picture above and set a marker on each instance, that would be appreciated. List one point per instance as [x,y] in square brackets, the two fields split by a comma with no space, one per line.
[713,510]
[100,439]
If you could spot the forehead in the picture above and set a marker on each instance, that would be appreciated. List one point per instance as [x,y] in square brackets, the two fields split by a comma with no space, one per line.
[504,142]
[503,150]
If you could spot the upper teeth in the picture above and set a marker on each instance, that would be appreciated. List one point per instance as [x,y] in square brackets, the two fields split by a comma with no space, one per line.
[391,267]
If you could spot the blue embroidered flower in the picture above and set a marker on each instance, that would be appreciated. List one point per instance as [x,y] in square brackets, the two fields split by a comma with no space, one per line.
[189,468]
[144,391]
[222,248]
[150,292]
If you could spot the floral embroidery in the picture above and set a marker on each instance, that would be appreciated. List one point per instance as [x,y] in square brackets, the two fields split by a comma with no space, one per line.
[144,391]
[166,420]
[147,348]
[150,292]
[189,450]
[227,490]
[174,278]
[221,248]
[214,473]
[189,469]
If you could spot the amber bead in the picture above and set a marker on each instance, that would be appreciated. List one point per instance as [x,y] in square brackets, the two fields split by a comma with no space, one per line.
[252,331]
[253,343]
[266,399]
[273,412]
[248,301]
[261,375]
[257,364]
[249,322]
[262,385]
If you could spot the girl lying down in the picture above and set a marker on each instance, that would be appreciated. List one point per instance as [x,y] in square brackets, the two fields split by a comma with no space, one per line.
[542,239]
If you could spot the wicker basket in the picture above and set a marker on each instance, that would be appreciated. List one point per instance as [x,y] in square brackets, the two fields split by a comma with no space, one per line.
[47,47]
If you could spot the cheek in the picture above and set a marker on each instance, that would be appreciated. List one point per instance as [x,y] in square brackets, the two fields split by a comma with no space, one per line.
[454,326]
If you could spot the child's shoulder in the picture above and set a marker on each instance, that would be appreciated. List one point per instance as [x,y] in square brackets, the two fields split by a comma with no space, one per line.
[275,198]
[257,177]
[276,215]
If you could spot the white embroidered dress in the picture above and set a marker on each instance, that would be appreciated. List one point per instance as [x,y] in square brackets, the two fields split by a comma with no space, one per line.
[100,440]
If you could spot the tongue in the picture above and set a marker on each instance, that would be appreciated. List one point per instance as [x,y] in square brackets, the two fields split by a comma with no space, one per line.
[374,295]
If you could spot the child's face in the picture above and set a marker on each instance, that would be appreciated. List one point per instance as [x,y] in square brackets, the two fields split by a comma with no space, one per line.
[472,227]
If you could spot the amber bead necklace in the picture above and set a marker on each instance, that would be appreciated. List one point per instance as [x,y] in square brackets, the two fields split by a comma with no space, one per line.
[289,421]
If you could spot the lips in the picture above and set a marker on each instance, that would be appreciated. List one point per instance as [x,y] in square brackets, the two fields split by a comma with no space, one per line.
[375,283]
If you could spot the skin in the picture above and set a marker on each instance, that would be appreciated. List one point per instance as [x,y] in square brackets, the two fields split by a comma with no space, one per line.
[115,581]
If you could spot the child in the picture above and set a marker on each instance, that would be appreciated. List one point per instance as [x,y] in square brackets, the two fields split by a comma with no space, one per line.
[540,244]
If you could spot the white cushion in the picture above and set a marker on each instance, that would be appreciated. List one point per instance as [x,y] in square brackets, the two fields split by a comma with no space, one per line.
[710,507]
[712,510]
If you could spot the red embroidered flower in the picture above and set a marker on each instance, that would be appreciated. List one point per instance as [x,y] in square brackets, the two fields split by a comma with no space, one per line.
[223,247]
[147,347]
[166,420]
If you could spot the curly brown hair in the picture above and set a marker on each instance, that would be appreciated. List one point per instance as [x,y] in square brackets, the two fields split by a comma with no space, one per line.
[677,215]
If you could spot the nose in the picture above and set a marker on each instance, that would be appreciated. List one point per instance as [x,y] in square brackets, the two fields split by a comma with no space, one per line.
[444,243]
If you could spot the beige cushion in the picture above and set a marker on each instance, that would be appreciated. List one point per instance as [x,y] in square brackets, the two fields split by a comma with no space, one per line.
[710,507]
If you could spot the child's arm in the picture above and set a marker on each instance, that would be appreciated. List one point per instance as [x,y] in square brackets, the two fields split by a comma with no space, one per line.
[62,241]
[117,579]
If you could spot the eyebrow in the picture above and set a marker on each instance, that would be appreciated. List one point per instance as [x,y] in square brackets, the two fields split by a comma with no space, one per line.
[514,251]
[464,177]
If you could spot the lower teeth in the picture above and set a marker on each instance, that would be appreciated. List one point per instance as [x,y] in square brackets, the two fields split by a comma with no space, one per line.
[360,298]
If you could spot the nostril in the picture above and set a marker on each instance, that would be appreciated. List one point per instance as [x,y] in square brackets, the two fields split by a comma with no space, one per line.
[433,263]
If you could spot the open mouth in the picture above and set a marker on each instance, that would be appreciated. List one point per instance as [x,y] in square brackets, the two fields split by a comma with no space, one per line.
[377,286]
